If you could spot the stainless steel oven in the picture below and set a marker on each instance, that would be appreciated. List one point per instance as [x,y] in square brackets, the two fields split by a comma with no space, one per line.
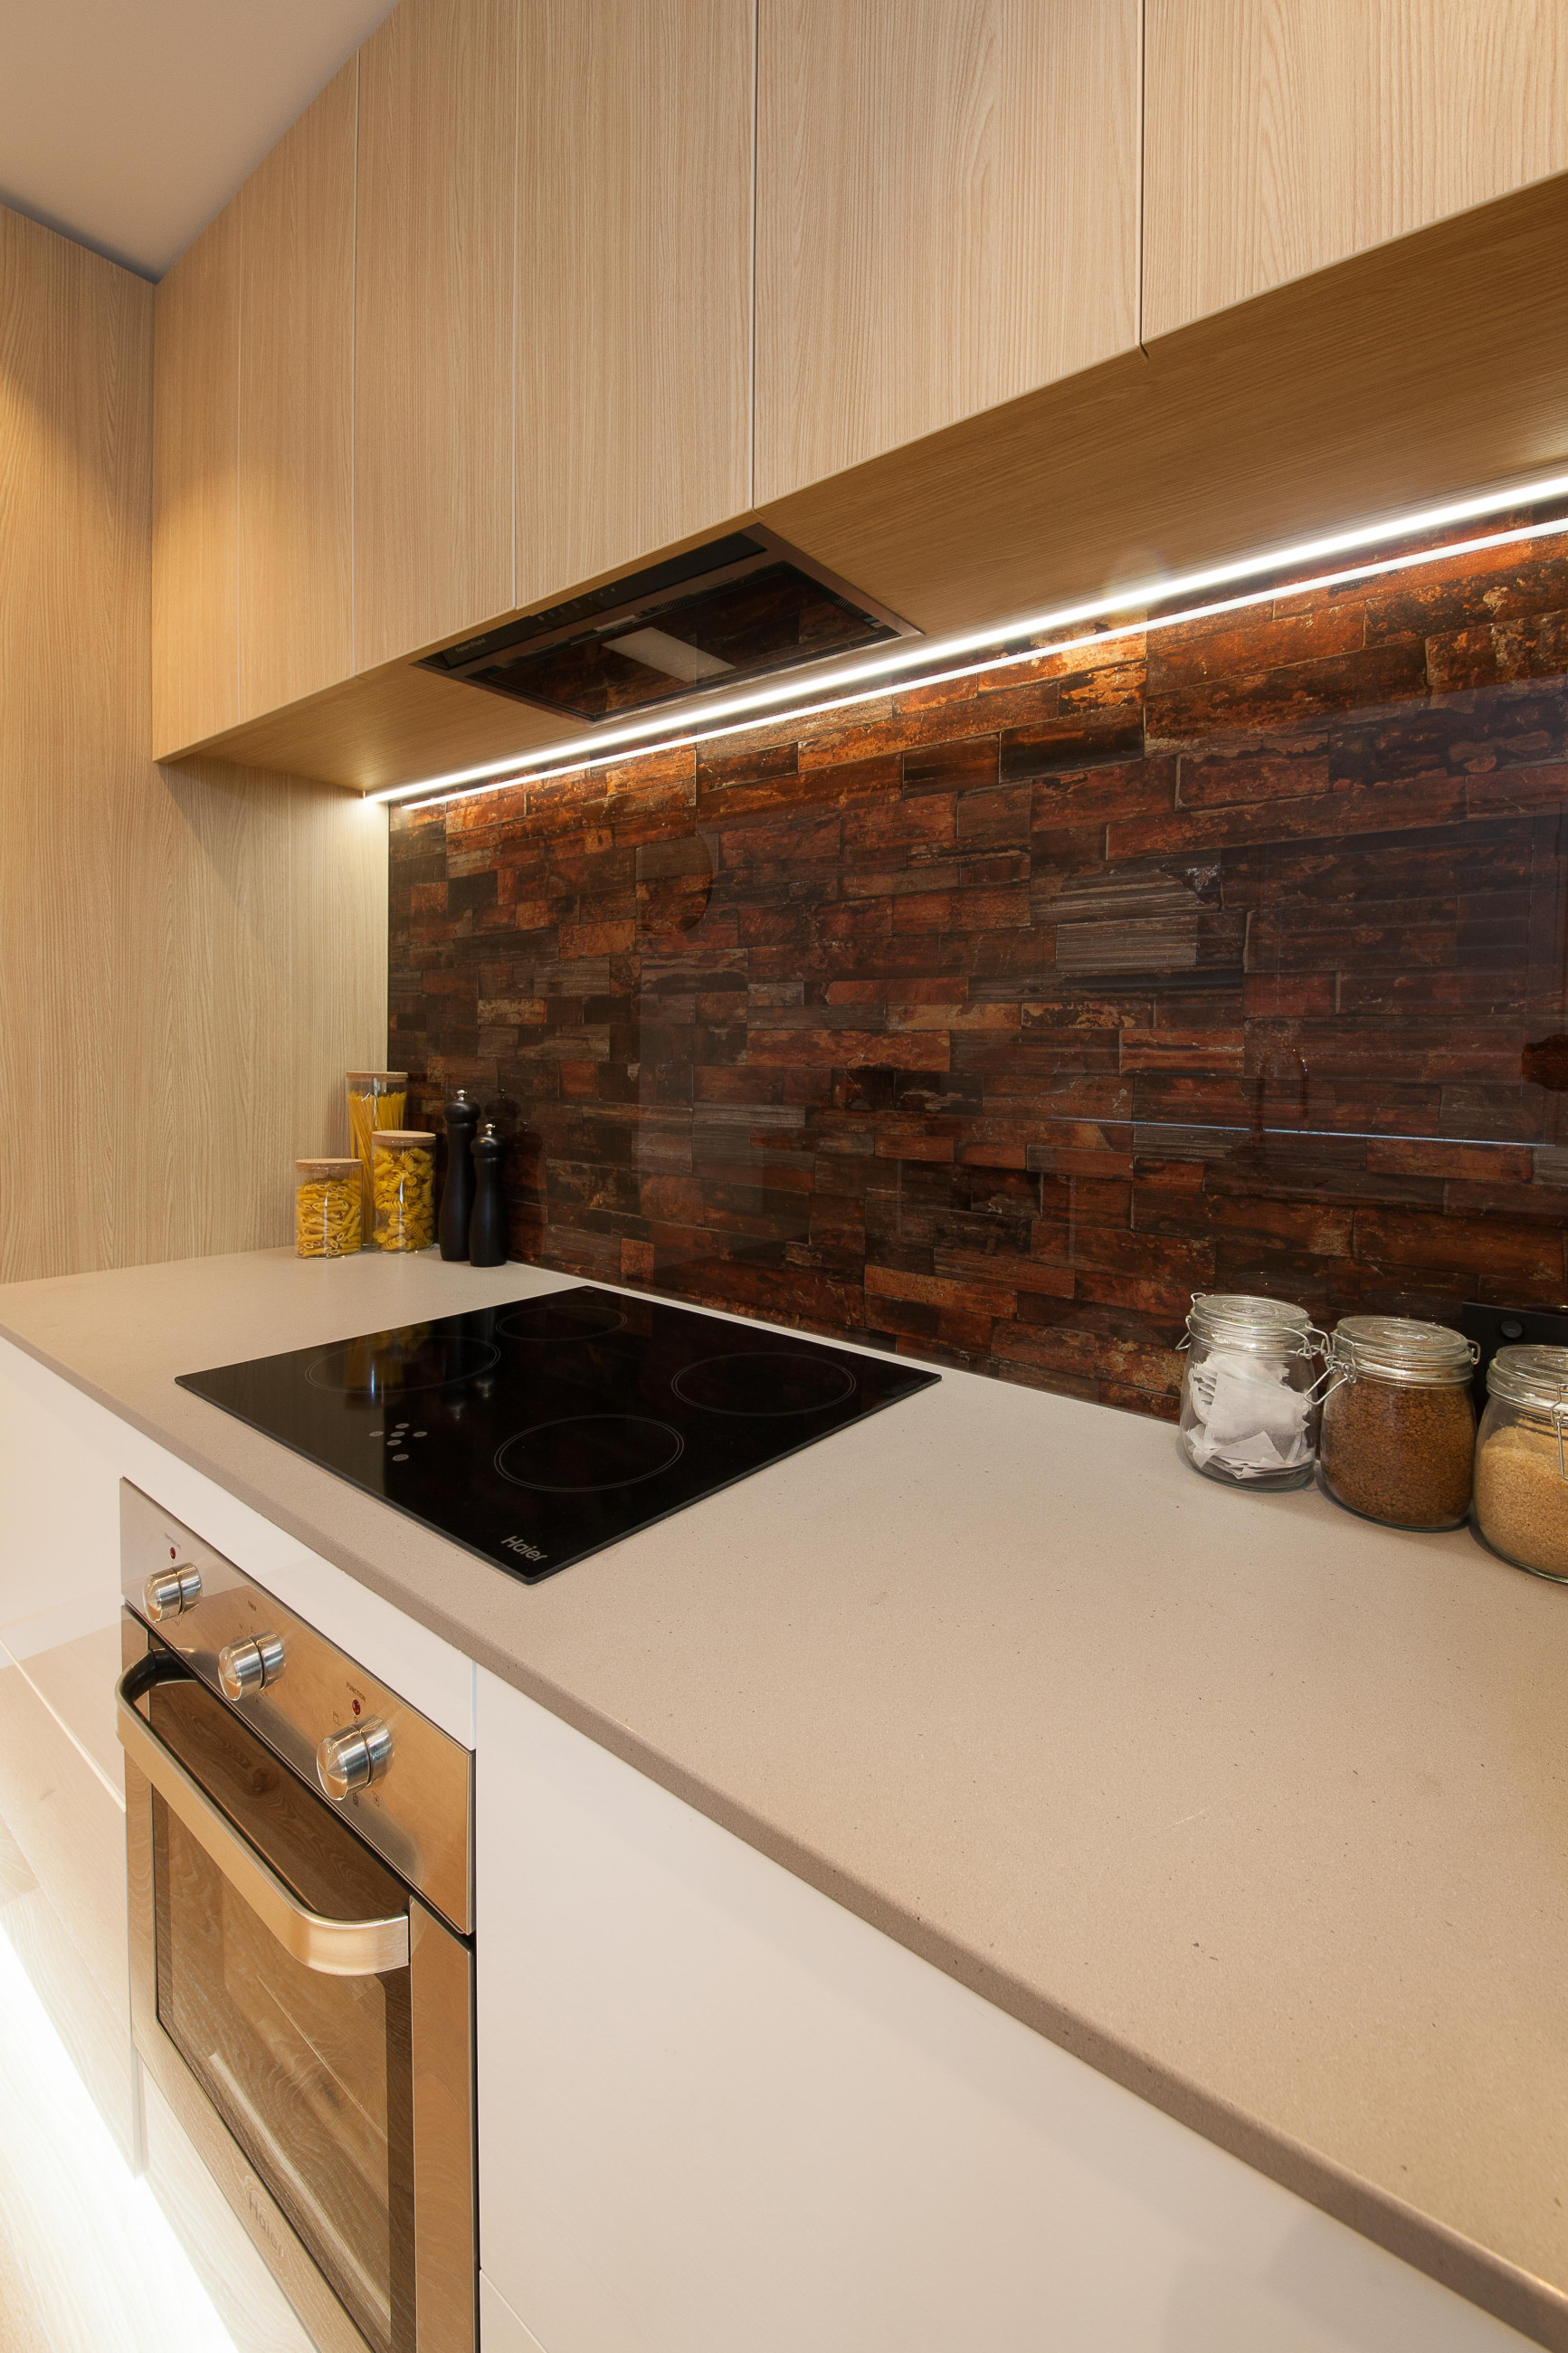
[300,1847]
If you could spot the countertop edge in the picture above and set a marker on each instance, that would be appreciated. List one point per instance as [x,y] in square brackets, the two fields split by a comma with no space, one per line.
[1517,2298]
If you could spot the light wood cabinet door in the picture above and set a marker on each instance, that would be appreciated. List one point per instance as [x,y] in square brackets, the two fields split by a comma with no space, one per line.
[1284,135]
[947,214]
[295,493]
[195,421]
[633,356]
[434,310]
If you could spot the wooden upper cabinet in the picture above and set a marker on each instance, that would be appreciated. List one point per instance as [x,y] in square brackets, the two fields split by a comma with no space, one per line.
[1285,135]
[195,404]
[947,214]
[434,306]
[634,306]
[296,216]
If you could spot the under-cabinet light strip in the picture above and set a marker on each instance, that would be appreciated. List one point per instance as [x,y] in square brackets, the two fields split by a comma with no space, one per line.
[941,660]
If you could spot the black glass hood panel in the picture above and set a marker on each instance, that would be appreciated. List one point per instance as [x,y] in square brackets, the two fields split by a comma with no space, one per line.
[538,1432]
[735,609]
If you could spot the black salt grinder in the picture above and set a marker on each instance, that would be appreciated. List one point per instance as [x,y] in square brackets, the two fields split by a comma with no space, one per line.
[457,1200]
[487,1227]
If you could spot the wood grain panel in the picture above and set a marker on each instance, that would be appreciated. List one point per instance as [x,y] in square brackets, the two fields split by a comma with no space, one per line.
[199,955]
[634,281]
[389,726]
[75,450]
[258,922]
[1284,135]
[433,380]
[195,615]
[296,248]
[1413,372]
[947,199]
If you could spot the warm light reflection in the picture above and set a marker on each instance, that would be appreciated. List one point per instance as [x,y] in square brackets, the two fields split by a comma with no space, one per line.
[929,662]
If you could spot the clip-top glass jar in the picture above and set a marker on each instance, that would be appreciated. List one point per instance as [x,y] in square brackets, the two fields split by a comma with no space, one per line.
[1249,1411]
[1522,1460]
[1399,1428]
[327,1209]
[403,1179]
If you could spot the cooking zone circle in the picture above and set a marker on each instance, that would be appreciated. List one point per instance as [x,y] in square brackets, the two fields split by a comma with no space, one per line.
[551,1319]
[765,1383]
[394,1367]
[587,1452]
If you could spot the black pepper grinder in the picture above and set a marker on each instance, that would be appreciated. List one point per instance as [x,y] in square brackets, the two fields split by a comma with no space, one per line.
[457,1200]
[487,1227]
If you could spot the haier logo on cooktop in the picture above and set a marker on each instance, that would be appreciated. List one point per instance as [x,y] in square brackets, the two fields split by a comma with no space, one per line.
[516,1543]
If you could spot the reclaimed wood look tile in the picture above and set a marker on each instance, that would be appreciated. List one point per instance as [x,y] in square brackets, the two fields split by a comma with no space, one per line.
[990,1020]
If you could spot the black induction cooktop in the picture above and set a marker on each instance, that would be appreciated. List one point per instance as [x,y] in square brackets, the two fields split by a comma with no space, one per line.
[535,1433]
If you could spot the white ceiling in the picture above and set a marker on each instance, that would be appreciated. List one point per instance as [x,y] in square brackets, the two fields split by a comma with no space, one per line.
[127,123]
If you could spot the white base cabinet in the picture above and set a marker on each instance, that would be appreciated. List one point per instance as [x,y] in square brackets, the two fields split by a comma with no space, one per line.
[718,2111]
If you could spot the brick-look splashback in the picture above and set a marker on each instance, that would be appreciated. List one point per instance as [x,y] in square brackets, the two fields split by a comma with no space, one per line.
[992,1021]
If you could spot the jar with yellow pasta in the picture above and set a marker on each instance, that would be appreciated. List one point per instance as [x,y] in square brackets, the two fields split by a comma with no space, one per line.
[327,1213]
[377,1099]
[403,1181]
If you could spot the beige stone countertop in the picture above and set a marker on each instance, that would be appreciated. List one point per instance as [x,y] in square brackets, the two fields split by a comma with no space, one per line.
[1261,1809]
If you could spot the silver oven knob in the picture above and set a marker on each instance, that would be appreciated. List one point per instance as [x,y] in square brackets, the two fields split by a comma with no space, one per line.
[172,1590]
[244,1666]
[353,1758]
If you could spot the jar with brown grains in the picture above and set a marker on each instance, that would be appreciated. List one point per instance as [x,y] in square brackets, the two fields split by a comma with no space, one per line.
[1522,1460]
[1399,1429]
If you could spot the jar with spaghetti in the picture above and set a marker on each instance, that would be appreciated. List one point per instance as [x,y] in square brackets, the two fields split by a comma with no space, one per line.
[1250,1391]
[402,1182]
[376,1099]
[1522,1460]
[1399,1429]
[327,1209]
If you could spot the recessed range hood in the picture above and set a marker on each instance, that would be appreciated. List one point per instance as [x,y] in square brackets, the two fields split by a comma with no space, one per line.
[740,607]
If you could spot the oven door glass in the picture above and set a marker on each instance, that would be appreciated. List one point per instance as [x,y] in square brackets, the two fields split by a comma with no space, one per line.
[311,2073]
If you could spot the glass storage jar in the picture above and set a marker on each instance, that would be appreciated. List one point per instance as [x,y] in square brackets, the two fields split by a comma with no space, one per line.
[376,1099]
[327,1210]
[403,1180]
[1399,1428]
[1522,1460]
[1249,1408]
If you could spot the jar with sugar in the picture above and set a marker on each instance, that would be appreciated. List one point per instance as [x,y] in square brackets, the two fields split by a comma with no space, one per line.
[1250,1391]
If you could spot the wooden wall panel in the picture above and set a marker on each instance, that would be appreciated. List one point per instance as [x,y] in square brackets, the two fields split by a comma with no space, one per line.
[1284,135]
[947,197]
[196,620]
[634,287]
[433,379]
[188,962]
[295,247]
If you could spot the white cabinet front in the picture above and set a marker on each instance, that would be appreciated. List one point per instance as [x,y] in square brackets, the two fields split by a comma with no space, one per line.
[718,2112]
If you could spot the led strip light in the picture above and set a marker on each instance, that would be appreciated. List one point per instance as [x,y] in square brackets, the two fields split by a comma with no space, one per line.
[930,661]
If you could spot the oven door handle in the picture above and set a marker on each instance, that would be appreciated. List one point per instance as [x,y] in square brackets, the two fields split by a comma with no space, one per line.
[335,1948]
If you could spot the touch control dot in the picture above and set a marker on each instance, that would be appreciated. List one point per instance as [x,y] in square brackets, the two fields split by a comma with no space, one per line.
[400,1458]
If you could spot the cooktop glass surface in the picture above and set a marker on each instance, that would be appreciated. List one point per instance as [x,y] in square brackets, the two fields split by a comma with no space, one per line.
[537,1433]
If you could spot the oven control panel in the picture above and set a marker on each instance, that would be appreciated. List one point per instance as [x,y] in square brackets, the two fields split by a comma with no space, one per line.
[400,1782]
